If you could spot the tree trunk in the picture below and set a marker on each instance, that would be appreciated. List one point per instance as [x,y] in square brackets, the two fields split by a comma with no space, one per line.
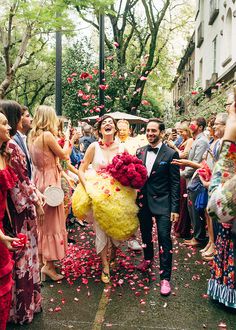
[5,85]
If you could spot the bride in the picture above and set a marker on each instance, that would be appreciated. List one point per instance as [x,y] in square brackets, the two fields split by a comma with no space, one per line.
[99,155]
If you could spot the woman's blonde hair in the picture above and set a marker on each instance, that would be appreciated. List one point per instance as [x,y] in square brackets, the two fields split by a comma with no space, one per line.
[45,120]
[185,127]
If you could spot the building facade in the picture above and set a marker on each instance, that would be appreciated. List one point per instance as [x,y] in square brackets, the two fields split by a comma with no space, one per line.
[215,36]
[212,60]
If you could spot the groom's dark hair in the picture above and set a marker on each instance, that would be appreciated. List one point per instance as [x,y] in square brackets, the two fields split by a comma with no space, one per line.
[158,121]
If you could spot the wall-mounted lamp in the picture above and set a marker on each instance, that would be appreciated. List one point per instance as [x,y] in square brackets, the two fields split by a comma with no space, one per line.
[234,13]
[221,32]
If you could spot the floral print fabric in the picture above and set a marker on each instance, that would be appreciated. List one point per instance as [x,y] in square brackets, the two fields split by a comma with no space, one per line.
[222,208]
[26,292]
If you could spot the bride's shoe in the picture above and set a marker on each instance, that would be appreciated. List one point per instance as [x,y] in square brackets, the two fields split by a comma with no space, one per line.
[113,264]
[51,274]
[105,277]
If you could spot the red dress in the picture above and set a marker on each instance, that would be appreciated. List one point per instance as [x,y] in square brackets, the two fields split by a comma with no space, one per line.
[7,181]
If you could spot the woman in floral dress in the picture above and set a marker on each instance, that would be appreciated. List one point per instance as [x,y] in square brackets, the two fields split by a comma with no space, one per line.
[7,182]
[222,207]
[25,201]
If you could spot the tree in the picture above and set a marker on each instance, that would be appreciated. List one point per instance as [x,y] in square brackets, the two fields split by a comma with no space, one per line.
[34,83]
[80,85]
[24,26]
[139,42]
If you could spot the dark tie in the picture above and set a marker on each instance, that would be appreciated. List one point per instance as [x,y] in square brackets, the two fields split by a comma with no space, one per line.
[150,148]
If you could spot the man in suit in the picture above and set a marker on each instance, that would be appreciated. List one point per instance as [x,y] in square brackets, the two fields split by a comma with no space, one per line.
[158,199]
[21,136]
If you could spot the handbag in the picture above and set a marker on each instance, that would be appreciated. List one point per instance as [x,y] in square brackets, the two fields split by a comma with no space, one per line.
[195,185]
[201,200]
[54,195]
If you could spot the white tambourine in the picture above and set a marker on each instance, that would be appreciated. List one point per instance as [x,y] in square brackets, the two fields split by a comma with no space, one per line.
[54,196]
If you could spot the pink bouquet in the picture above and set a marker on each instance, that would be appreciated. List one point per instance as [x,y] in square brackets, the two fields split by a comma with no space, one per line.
[128,170]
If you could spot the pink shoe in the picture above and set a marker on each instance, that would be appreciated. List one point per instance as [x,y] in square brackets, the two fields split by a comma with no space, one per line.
[165,288]
[144,265]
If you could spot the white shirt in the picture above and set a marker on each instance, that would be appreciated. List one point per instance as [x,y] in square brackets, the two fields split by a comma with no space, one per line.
[151,157]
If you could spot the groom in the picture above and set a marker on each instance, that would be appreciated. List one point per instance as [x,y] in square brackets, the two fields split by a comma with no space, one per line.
[158,199]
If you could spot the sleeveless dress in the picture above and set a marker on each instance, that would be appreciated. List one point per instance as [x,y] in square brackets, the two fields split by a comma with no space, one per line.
[52,240]
[7,181]
[183,226]
[98,163]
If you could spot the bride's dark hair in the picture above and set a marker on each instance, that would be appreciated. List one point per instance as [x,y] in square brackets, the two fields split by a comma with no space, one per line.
[99,123]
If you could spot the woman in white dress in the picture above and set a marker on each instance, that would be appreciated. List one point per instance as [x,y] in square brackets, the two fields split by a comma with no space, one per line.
[99,155]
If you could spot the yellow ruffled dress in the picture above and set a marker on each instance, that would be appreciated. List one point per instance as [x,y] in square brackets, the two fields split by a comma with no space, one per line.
[113,205]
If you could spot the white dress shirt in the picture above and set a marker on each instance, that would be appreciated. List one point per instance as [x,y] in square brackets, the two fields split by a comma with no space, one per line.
[151,157]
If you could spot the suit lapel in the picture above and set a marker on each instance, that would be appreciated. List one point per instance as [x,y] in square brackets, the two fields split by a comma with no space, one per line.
[143,154]
[159,156]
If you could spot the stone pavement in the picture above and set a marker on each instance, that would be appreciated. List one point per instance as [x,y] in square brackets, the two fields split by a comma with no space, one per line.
[133,300]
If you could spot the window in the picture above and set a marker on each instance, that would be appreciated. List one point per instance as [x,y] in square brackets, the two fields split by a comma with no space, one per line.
[200,35]
[228,38]
[214,11]
[200,71]
[214,54]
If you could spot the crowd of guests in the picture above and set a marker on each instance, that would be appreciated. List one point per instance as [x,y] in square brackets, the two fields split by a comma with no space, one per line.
[191,183]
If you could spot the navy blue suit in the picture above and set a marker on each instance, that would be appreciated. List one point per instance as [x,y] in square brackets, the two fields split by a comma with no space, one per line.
[158,198]
[21,144]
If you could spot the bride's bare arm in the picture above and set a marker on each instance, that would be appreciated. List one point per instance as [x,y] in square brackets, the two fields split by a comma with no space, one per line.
[88,158]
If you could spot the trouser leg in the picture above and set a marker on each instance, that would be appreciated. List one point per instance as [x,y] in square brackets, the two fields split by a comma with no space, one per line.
[165,245]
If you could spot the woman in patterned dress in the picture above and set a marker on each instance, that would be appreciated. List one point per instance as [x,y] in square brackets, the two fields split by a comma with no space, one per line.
[24,206]
[222,207]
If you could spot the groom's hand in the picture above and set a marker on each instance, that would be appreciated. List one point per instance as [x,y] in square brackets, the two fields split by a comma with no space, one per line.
[174,217]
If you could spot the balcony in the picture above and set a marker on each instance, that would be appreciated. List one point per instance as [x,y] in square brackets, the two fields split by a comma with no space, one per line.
[214,11]
[200,35]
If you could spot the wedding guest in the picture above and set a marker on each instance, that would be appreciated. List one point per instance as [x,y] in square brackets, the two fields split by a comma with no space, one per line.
[222,208]
[45,153]
[7,182]
[24,208]
[87,138]
[183,226]
[198,148]
[21,136]
[158,199]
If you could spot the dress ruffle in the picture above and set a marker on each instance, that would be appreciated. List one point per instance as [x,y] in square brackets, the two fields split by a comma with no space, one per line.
[7,178]
[50,246]
[222,293]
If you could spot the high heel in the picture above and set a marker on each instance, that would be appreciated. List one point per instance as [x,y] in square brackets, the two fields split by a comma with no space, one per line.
[105,277]
[205,248]
[113,264]
[53,276]
[210,251]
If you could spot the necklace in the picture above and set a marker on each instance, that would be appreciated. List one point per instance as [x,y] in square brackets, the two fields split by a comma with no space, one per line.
[105,144]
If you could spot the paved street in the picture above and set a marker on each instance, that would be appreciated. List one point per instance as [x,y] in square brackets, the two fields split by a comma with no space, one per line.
[133,301]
